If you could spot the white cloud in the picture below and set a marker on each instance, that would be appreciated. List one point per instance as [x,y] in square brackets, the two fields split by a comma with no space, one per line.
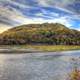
[60,4]
[39,14]
[33,20]
[63,20]
[46,14]
[49,13]
[43,3]
[12,14]
[16,3]
[4,27]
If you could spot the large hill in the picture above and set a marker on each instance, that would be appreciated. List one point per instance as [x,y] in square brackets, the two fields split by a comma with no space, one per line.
[46,33]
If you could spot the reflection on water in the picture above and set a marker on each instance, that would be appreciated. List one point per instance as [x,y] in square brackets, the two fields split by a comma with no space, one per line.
[36,66]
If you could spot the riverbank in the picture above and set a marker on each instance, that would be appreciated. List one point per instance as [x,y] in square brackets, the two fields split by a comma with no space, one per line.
[36,48]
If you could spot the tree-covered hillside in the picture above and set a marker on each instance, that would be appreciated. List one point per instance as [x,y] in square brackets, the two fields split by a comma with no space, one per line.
[47,33]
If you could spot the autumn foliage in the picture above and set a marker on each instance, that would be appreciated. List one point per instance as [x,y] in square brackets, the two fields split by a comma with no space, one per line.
[47,33]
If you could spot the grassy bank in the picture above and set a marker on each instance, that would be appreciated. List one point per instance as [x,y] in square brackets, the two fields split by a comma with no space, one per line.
[56,47]
[44,48]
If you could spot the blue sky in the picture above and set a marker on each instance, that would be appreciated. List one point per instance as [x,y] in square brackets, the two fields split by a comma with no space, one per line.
[18,12]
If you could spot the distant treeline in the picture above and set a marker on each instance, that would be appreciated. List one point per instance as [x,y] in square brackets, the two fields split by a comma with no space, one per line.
[47,33]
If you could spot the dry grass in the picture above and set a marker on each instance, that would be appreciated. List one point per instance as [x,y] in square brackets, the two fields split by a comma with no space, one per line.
[44,47]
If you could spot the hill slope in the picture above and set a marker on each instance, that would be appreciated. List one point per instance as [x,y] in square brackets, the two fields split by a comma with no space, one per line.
[56,34]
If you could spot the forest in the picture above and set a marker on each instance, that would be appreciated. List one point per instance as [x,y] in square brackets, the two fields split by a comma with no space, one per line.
[46,33]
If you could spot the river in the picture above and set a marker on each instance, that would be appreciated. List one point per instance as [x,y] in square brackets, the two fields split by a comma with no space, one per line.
[37,66]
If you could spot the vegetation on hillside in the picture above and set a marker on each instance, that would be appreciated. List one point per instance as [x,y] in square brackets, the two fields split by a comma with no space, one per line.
[47,33]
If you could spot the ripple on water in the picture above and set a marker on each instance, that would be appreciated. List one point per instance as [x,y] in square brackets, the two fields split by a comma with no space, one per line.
[38,66]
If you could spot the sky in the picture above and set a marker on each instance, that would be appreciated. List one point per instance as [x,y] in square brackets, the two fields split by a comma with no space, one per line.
[19,12]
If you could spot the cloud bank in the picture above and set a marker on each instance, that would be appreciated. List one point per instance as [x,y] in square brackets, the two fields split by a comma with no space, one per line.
[18,12]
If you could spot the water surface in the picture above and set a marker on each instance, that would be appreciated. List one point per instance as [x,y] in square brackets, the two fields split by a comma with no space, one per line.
[37,66]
